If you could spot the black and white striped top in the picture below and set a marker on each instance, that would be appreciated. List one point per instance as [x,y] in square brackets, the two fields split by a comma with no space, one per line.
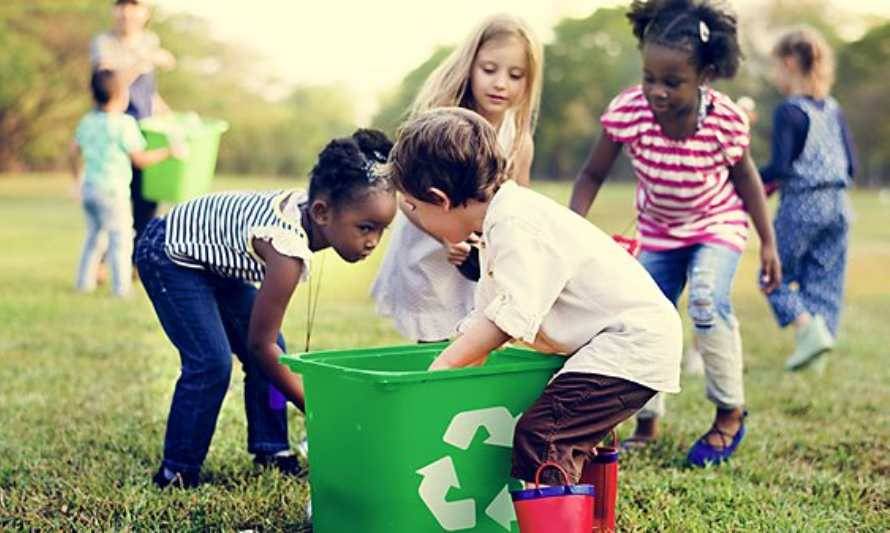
[216,231]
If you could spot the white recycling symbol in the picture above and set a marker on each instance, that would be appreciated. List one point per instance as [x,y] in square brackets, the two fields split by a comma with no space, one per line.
[440,475]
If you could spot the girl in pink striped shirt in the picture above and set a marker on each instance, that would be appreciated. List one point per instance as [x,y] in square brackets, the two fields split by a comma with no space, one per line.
[696,187]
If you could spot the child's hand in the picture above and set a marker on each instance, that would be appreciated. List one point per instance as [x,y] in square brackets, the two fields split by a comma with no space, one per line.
[164,59]
[440,363]
[459,252]
[770,268]
[179,150]
[445,363]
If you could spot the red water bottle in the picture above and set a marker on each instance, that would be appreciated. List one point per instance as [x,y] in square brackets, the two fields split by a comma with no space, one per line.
[601,471]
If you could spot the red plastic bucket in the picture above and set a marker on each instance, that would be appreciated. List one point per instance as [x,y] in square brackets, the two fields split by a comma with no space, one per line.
[555,509]
[601,471]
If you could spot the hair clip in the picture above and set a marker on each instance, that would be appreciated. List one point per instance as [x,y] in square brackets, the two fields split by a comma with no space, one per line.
[373,170]
[379,156]
[704,32]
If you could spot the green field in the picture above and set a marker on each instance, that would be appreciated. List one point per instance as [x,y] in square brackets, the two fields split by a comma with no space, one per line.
[86,380]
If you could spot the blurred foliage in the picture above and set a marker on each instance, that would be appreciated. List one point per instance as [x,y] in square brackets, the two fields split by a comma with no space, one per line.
[591,59]
[44,75]
[864,68]
[44,71]
[394,107]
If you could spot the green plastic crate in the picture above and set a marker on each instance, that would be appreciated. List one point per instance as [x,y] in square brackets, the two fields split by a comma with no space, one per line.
[395,448]
[176,180]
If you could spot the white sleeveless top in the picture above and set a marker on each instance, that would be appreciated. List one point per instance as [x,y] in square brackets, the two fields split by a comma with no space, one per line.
[416,286]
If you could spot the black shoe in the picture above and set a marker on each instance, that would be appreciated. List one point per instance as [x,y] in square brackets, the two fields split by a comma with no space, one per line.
[289,465]
[182,481]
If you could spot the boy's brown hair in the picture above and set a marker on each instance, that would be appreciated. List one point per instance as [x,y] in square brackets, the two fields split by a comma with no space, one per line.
[450,148]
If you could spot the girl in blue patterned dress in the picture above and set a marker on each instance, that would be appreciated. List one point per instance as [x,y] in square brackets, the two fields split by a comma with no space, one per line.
[812,165]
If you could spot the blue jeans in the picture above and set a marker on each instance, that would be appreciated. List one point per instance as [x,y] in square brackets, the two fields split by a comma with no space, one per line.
[107,216]
[709,271]
[206,317]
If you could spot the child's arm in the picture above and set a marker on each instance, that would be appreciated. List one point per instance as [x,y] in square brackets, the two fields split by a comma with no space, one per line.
[524,157]
[159,105]
[749,186]
[473,347]
[75,164]
[790,126]
[281,279]
[147,158]
[74,160]
[593,174]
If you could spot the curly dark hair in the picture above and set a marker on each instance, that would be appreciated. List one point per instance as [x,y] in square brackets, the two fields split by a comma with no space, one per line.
[708,29]
[347,168]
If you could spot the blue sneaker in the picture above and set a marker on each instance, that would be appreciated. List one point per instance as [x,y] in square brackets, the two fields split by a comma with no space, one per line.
[704,453]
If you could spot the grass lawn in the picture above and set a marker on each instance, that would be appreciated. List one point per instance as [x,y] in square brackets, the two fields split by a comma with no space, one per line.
[86,380]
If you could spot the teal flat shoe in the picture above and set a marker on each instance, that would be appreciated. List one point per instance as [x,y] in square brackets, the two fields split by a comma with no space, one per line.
[812,341]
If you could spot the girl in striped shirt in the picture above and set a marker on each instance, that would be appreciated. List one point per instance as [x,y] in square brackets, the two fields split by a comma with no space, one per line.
[696,187]
[199,266]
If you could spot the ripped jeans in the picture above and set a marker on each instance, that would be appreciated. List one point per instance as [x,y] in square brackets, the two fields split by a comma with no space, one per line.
[708,270]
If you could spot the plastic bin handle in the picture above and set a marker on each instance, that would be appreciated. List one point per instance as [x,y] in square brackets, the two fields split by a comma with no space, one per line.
[294,361]
[565,475]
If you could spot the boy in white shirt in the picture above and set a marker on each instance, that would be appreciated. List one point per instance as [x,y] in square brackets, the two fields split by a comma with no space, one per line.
[549,279]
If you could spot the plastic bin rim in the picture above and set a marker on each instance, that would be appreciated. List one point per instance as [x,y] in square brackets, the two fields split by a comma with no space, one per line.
[549,492]
[154,124]
[311,363]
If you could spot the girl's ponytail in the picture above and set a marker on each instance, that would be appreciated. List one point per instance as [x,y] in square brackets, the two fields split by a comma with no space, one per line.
[346,167]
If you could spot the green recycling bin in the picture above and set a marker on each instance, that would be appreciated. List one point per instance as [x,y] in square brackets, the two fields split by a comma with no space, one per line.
[395,448]
[176,180]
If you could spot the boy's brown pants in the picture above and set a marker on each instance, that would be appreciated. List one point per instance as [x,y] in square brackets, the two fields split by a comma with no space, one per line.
[571,417]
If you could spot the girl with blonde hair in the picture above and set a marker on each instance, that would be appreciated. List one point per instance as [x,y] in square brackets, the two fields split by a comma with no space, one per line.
[496,72]
[813,161]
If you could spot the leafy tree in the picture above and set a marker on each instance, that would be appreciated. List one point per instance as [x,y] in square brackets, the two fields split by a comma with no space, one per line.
[43,76]
[589,62]
[44,73]
[863,71]
[396,105]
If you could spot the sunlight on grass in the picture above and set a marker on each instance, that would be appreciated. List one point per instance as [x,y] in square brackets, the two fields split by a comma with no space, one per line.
[86,384]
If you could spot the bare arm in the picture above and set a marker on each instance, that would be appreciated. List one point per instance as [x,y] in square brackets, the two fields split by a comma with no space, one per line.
[74,160]
[159,105]
[593,174]
[524,157]
[473,347]
[164,59]
[749,186]
[282,276]
[147,158]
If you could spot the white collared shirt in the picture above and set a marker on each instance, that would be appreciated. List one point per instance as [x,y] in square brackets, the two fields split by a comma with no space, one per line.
[554,281]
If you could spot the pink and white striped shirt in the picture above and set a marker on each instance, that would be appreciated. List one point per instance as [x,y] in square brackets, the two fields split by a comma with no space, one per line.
[684,194]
